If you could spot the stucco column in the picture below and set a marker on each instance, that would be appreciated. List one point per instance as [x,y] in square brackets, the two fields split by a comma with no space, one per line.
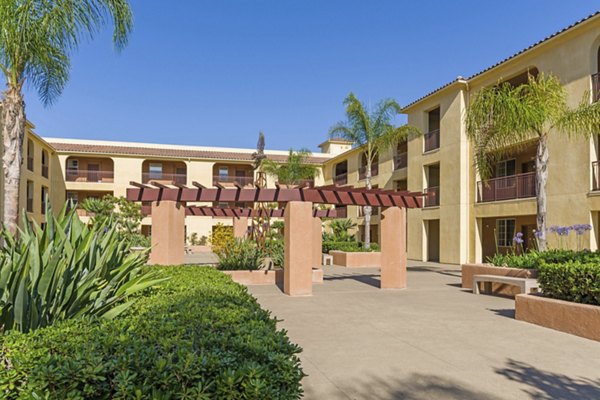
[298,260]
[317,244]
[168,233]
[240,227]
[393,248]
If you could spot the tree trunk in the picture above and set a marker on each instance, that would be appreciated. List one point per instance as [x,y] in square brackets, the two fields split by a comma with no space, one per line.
[367,210]
[12,124]
[541,177]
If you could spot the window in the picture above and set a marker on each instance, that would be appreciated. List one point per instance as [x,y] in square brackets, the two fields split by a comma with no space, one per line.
[223,172]
[72,199]
[505,232]
[44,163]
[155,170]
[29,196]
[506,168]
[72,169]
[30,155]
[44,199]
[400,185]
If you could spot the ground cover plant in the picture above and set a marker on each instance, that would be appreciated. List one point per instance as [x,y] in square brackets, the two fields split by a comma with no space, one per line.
[198,336]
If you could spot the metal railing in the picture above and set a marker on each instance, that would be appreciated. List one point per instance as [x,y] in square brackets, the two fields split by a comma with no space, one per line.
[517,186]
[92,176]
[432,196]
[401,161]
[341,179]
[596,87]
[362,171]
[240,180]
[432,140]
[164,177]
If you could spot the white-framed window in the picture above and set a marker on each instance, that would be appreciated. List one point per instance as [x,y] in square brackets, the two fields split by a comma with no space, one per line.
[72,165]
[155,170]
[506,168]
[505,232]
[224,172]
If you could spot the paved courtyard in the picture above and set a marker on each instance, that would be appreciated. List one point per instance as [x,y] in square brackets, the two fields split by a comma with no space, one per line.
[430,341]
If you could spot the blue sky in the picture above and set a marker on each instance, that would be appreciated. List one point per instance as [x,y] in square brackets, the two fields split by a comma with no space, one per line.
[216,72]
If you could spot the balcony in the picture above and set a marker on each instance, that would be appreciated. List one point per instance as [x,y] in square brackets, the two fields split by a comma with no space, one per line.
[91,176]
[362,171]
[517,186]
[596,87]
[432,140]
[165,178]
[401,161]
[432,196]
[596,175]
[240,180]
[341,179]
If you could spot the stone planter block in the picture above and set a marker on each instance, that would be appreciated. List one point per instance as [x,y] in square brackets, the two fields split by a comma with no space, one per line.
[360,259]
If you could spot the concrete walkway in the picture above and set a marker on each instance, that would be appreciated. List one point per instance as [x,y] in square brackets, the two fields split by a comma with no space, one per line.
[430,341]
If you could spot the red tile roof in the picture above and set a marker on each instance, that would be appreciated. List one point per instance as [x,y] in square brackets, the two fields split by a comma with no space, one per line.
[166,152]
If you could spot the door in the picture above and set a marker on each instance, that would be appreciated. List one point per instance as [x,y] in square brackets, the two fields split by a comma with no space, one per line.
[433,240]
[93,174]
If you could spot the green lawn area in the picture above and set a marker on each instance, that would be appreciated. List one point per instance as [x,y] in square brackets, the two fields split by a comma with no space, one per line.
[198,336]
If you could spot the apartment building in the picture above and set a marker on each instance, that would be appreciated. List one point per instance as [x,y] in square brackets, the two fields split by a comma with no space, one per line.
[465,219]
[92,169]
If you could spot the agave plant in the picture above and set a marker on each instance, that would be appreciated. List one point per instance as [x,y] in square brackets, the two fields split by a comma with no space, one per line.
[66,269]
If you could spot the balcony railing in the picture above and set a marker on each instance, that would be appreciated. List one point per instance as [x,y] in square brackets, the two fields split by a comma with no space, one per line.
[596,87]
[240,180]
[92,176]
[362,171]
[341,179]
[432,196]
[517,186]
[596,175]
[401,161]
[164,177]
[432,140]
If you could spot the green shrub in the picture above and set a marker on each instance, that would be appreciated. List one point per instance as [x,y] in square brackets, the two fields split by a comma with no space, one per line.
[347,246]
[532,259]
[275,249]
[241,254]
[571,280]
[199,336]
[64,270]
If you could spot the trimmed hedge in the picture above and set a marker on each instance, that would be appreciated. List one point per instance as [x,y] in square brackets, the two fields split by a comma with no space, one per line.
[347,246]
[533,259]
[200,336]
[571,281]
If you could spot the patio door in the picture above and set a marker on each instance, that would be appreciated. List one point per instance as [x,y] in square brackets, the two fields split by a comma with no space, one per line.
[93,173]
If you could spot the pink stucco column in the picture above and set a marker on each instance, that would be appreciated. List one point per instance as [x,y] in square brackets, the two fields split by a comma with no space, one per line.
[298,260]
[240,227]
[393,248]
[168,233]
[317,243]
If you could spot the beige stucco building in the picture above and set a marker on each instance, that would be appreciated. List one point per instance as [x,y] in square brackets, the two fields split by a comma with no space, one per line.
[463,219]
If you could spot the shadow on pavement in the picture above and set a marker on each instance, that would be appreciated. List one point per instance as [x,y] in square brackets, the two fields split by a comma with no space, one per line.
[545,385]
[369,279]
[450,272]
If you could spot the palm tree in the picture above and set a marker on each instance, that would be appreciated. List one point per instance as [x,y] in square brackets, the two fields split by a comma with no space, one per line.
[295,170]
[373,131]
[36,41]
[505,118]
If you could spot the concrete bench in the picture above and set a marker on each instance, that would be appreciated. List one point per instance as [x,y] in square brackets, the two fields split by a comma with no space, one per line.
[526,285]
[327,259]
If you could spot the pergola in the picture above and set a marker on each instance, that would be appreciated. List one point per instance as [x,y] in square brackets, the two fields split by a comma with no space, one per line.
[303,224]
